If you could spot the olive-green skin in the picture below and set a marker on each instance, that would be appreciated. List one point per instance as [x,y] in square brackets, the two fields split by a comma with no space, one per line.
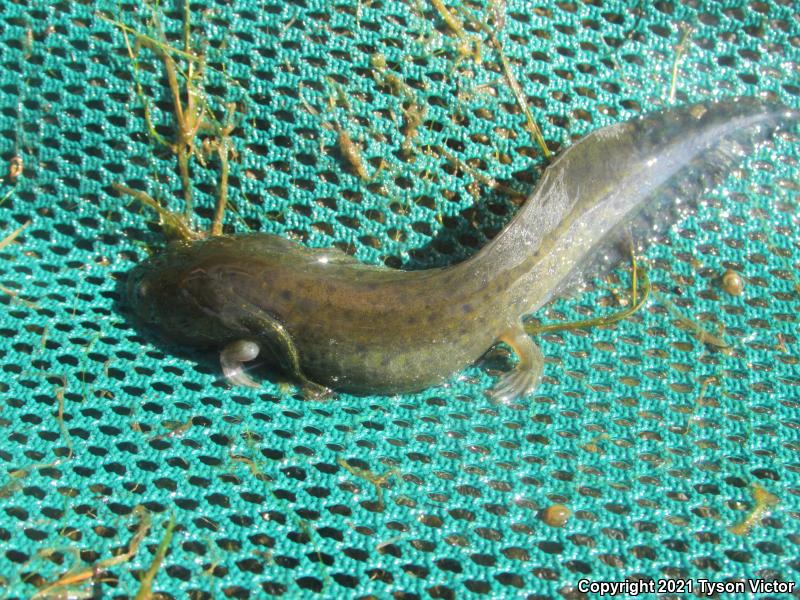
[356,327]
[369,329]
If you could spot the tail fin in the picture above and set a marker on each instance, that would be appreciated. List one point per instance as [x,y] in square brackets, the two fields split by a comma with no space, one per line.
[678,156]
[712,139]
[640,176]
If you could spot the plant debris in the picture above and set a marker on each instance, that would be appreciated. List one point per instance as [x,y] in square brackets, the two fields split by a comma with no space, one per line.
[763,501]
[695,329]
[679,51]
[15,168]
[379,481]
[636,304]
[146,582]
[91,573]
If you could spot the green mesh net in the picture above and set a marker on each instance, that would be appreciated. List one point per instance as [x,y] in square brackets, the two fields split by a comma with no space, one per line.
[655,442]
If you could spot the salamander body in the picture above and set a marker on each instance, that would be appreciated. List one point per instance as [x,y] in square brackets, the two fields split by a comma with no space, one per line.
[331,321]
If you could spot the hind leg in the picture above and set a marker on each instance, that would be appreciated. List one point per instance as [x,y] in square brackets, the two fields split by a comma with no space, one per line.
[524,377]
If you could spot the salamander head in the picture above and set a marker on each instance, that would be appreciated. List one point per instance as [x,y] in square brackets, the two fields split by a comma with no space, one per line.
[187,293]
[162,292]
[167,297]
[148,288]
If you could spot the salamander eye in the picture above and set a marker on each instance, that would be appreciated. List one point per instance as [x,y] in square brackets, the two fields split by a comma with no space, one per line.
[142,288]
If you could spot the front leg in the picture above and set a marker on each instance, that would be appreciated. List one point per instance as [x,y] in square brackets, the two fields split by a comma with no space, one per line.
[232,359]
[524,377]
[270,333]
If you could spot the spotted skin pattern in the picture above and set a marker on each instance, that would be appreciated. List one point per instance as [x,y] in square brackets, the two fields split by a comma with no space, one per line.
[332,322]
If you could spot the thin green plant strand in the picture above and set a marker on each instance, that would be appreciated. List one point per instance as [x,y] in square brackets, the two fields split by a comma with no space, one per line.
[605,320]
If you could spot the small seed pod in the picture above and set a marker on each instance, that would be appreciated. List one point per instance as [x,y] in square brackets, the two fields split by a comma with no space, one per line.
[556,515]
[732,283]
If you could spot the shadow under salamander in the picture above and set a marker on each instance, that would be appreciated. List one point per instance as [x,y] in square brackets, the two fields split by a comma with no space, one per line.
[461,236]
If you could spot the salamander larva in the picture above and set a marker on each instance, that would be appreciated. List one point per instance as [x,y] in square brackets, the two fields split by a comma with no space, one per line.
[332,322]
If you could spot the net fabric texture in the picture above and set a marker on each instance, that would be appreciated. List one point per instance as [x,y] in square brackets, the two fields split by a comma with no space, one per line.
[653,440]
